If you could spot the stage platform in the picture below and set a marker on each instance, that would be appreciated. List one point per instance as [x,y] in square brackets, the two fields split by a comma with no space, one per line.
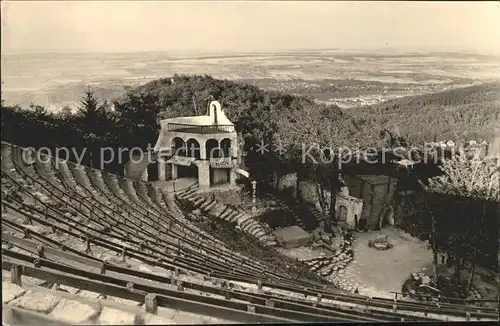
[180,184]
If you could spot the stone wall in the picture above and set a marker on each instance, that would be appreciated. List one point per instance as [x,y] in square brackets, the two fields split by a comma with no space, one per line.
[376,197]
[137,169]
[307,192]
[354,208]
[232,196]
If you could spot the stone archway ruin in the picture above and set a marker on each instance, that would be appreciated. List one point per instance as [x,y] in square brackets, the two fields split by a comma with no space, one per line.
[342,213]
[386,217]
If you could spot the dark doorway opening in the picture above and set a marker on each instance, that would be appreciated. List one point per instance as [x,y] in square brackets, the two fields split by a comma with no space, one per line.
[362,224]
[152,171]
[219,176]
[342,217]
[187,171]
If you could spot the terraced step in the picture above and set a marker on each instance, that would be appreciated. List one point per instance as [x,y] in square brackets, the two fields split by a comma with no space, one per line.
[210,206]
[261,233]
[233,216]
[239,216]
[252,226]
[246,223]
[215,209]
[258,232]
[188,193]
[197,201]
[207,202]
[225,214]
[245,218]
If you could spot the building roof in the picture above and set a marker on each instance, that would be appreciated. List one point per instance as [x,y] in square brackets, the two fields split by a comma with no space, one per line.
[350,198]
[406,162]
[202,120]
[375,179]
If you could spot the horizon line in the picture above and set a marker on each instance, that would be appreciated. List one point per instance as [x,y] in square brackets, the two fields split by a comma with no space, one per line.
[397,50]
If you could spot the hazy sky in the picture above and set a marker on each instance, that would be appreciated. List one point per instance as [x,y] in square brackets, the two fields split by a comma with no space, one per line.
[211,26]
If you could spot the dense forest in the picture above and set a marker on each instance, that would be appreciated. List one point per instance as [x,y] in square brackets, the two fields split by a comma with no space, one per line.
[462,114]
[132,121]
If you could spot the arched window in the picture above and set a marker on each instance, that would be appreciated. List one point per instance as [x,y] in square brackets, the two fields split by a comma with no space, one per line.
[225,146]
[212,148]
[193,148]
[178,147]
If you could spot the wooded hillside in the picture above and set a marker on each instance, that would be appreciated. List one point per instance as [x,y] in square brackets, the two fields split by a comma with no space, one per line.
[470,113]
[466,113]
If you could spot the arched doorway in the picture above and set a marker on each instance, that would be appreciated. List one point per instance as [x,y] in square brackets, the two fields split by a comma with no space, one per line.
[187,171]
[387,217]
[342,213]
[362,225]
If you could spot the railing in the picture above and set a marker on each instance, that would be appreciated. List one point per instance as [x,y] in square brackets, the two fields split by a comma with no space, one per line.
[195,129]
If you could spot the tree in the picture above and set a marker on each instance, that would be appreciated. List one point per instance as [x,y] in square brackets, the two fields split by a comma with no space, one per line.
[321,139]
[65,113]
[89,107]
[38,110]
[468,179]
[466,176]
[394,140]
[96,124]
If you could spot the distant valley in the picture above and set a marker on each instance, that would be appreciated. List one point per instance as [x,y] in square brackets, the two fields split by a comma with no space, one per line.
[348,80]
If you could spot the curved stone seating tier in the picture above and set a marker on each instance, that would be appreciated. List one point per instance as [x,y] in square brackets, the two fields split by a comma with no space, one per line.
[129,190]
[78,174]
[157,197]
[39,208]
[61,213]
[112,183]
[67,178]
[142,191]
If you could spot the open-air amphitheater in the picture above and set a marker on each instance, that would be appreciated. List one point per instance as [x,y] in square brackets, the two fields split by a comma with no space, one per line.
[82,246]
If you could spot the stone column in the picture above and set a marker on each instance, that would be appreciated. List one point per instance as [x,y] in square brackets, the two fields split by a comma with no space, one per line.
[232,173]
[204,174]
[254,193]
[161,168]
[203,149]
[174,171]
[144,176]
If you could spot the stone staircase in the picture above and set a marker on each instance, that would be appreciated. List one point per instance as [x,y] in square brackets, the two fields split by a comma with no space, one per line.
[299,210]
[332,267]
[207,206]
